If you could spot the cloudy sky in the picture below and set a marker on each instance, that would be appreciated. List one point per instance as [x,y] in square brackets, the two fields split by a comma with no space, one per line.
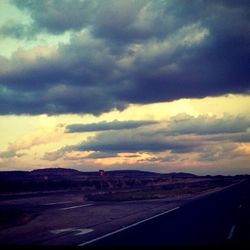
[158,85]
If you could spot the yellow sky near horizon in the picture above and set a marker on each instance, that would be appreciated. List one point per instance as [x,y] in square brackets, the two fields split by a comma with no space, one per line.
[34,136]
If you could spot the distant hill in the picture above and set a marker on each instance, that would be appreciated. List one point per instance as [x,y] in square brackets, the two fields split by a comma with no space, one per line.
[67,172]
[181,175]
[138,173]
[58,179]
[5,175]
[54,171]
[118,173]
[134,173]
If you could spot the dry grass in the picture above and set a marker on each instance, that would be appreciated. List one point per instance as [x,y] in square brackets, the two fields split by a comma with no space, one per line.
[159,192]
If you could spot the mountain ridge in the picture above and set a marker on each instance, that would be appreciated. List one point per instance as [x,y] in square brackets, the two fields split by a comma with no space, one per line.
[70,171]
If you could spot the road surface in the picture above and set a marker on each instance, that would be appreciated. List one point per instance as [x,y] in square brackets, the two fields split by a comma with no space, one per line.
[221,218]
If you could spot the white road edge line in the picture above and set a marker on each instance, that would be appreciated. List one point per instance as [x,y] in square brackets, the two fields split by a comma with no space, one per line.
[126,227]
[77,231]
[231,233]
[67,208]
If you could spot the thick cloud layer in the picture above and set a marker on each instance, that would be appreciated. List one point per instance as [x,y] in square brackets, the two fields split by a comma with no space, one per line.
[112,142]
[124,52]
[209,137]
[114,125]
[203,124]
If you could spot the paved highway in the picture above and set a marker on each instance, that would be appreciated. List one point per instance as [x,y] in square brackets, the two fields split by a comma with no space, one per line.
[217,219]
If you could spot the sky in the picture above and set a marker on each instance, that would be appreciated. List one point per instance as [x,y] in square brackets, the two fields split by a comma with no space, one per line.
[154,85]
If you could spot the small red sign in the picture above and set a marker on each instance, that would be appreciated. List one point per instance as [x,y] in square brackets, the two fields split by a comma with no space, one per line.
[101,172]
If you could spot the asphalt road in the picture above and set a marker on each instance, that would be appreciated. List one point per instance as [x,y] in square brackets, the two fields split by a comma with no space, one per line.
[222,218]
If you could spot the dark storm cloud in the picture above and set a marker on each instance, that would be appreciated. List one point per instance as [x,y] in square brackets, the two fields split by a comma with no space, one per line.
[81,63]
[100,126]
[128,52]
[217,152]
[182,134]
[203,124]
[15,30]
[137,140]
[69,82]
[101,155]
[57,101]
[133,146]
[242,137]
[230,129]
[209,137]
[58,16]
[129,141]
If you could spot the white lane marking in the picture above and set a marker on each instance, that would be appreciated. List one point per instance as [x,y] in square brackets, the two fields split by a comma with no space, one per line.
[84,231]
[55,203]
[231,232]
[127,227]
[78,231]
[66,208]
